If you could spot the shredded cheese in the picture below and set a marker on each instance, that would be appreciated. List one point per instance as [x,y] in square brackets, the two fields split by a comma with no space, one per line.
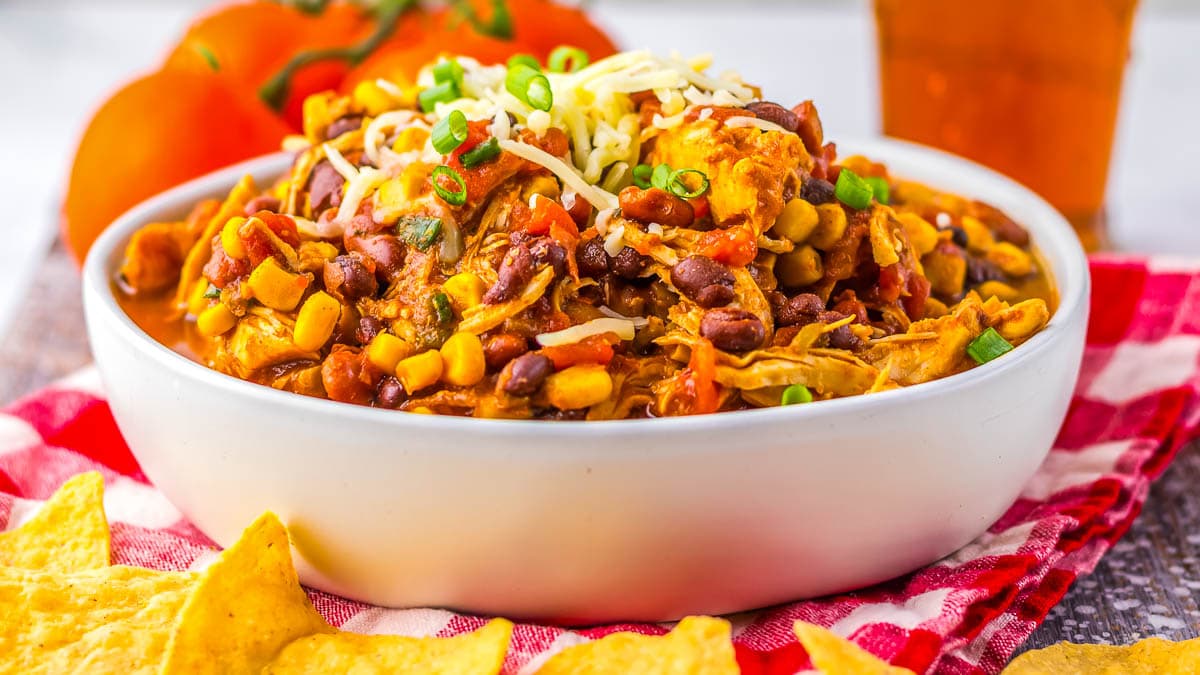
[638,321]
[364,183]
[765,125]
[624,328]
[340,163]
[598,197]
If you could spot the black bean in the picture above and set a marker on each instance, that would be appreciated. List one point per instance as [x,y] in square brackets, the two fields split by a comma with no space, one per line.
[525,374]
[958,236]
[704,280]
[801,309]
[591,258]
[546,251]
[391,393]
[629,264]
[980,270]
[817,190]
[515,271]
[350,277]
[733,330]
[368,328]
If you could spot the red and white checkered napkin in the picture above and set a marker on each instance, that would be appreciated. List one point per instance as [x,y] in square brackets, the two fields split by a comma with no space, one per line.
[1135,405]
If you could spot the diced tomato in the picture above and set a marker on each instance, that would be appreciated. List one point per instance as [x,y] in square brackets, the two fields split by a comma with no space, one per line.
[702,379]
[700,207]
[594,349]
[546,213]
[733,246]
[283,227]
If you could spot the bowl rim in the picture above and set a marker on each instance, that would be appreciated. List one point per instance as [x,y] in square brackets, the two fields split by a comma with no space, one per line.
[1051,233]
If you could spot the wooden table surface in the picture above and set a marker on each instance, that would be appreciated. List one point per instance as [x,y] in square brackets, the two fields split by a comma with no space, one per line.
[1147,585]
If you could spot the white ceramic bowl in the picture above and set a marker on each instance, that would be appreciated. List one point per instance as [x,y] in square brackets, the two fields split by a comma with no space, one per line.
[582,522]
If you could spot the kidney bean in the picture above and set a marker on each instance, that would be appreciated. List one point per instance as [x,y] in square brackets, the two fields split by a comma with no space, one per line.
[653,205]
[1005,228]
[773,112]
[980,270]
[629,264]
[704,280]
[324,187]
[579,210]
[261,203]
[799,310]
[352,276]
[368,328]
[817,190]
[848,304]
[591,258]
[342,125]
[546,251]
[809,127]
[391,393]
[525,374]
[384,250]
[501,348]
[515,271]
[733,330]
[346,377]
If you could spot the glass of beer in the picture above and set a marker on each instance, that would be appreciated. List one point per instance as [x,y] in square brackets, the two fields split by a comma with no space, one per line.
[1028,87]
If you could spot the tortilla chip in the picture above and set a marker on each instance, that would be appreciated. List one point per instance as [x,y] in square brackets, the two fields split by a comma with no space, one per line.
[112,620]
[1153,656]
[699,644]
[246,607]
[68,534]
[835,655]
[478,653]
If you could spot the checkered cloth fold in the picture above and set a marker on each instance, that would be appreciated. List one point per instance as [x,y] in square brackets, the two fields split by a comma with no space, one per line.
[1135,405]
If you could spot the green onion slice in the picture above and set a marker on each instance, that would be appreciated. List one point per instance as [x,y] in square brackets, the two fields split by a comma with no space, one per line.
[852,190]
[419,231]
[449,132]
[524,60]
[988,346]
[438,93]
[481,154]
[796,393]
[448,71]
[677,183]
[457,198]
[661,177]
[441,306]
[641,175]
[567,59]
[879,188]
[530,86]
[212,292]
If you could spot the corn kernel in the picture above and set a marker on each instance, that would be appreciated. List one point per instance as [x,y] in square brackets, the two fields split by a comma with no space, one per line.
[580,386]
[802,267]
[831,225]
[197,300]
[921,233]
[1011,259]
[412,138]
[315,323]
[372,98]
[215,320]
[465,290]
[997,289]
[422,410]
[317,113]
[797,221]
[979,237]
[386,350]
[462,356]
[276,287]
[420,371]
[230,241]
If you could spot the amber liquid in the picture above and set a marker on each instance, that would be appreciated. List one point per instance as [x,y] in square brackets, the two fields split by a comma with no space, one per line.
[1027,87]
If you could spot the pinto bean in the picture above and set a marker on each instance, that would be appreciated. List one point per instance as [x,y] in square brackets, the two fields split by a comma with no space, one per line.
[653,205]
[799,310]
[515,271]
[704,280]
[501,348]
[629,264]
[390,394]
[817,190]
[591,258]
[352,276]
[733,330]
[809,127]
[261,203]
[525,374]
[342,125]
[773,112]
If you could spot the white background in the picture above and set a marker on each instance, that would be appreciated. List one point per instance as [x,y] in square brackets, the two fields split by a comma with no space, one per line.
[58,58]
